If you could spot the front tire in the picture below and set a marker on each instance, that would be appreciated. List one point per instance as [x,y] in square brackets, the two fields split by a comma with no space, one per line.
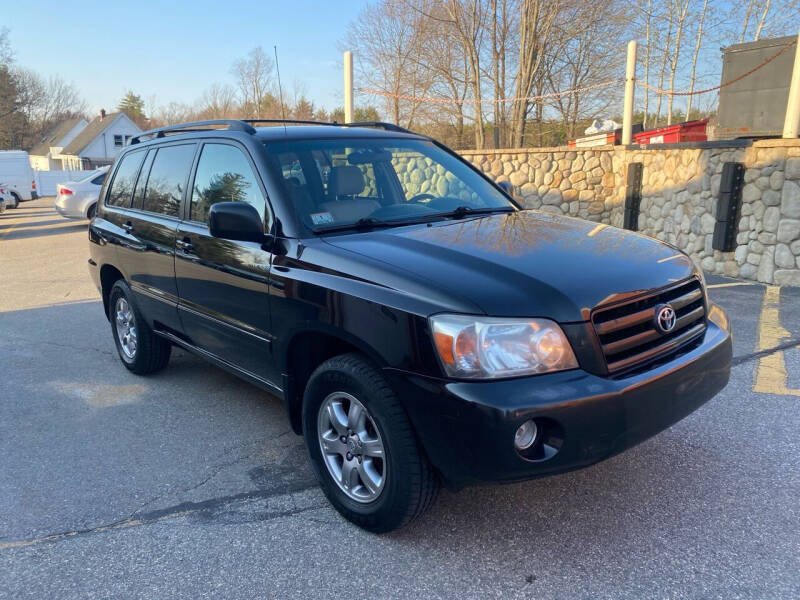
[362,446]
[140,350]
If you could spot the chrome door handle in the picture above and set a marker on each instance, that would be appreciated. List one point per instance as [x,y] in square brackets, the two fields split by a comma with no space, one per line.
[128,227]
[184,245]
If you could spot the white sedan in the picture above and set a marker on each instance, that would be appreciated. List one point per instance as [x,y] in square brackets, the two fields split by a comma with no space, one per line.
[9,200]
[78,199]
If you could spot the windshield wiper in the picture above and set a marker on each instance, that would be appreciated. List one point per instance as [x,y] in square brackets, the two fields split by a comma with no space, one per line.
[364,223]
[463,211]
[372,222]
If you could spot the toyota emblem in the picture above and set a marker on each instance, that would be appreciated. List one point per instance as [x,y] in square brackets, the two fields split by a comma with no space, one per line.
[665,318]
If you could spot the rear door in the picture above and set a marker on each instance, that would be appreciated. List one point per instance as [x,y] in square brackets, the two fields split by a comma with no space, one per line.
[223,284]
[149,226]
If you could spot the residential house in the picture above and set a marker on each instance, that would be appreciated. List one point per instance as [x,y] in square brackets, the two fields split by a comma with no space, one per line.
[100,142]
[45,156]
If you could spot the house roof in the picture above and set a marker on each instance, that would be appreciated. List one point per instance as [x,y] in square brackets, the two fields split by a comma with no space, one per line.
[92,130]
[53,136]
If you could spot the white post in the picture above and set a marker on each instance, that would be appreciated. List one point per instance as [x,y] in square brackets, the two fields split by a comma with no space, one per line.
[791,125]
[348,87]
[630,79]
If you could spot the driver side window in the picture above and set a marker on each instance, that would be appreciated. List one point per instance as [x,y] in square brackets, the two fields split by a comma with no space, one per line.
[224,175]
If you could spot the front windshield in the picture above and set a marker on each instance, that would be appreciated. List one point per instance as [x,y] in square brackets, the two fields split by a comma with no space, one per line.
[336,183]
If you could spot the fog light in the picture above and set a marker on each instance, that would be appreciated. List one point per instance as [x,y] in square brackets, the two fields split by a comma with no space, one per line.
[526,435]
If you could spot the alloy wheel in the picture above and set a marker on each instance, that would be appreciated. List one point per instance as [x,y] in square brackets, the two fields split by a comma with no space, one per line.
[352,447]
[126,327]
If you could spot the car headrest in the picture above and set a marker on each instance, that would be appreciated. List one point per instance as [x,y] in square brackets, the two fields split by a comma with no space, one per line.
[345,181]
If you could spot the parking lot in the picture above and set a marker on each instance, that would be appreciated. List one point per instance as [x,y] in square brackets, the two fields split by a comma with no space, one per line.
[189,483]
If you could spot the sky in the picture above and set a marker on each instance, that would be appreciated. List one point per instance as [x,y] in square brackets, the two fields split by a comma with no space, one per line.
[174,50]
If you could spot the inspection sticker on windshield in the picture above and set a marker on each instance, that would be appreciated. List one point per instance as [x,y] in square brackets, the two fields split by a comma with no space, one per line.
[321,218]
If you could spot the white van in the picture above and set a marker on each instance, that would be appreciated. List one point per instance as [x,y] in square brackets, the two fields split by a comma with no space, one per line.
[17,175]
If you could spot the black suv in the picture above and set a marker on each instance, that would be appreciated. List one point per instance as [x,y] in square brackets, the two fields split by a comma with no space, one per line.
[418,324]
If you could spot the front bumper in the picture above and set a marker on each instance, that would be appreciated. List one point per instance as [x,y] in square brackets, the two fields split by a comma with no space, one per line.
[467,428]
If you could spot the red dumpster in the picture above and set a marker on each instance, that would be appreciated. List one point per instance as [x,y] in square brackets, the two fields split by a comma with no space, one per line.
[689,131]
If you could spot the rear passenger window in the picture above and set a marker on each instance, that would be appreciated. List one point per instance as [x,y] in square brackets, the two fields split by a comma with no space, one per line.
[224,175]
[141,183]
[167,179]
[124,179]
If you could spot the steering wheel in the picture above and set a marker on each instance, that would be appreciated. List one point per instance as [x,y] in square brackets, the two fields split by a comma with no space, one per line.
[420,197]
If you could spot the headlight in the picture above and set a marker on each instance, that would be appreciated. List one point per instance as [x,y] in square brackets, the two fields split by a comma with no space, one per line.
[490,348]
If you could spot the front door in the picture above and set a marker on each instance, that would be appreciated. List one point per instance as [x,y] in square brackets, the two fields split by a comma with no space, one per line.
[223,284]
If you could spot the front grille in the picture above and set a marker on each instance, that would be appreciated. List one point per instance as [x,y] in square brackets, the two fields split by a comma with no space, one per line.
[628,333]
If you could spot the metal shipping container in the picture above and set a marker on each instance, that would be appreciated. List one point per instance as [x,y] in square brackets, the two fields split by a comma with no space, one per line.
[756,105]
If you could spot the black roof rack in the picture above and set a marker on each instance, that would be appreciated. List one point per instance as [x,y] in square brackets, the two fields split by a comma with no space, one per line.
[377,125]
[159,132]
[246,125]
[373,124]
[290,121]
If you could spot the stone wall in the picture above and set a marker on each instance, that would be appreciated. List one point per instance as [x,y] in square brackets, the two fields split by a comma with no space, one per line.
[679,197]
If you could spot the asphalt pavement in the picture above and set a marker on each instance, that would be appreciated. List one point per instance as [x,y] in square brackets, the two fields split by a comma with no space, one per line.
[189,483]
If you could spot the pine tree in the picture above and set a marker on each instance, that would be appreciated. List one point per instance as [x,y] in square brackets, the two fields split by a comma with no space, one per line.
[133,106]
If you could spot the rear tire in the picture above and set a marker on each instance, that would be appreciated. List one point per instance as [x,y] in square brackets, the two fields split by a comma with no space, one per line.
[140,350]
[90,214]
[408,485]
[16,201]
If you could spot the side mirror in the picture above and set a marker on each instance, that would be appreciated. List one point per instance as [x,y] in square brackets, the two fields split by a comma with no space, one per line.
[236,221]
[506,187]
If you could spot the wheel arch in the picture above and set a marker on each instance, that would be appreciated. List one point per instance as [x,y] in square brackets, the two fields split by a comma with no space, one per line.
[305,351]
[108,275]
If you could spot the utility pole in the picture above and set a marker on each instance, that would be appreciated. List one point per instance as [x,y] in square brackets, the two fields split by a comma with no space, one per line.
[791,124]
[630,81]
[348,87]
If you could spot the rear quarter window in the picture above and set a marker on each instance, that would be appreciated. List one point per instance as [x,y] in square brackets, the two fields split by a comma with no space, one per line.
[124,180]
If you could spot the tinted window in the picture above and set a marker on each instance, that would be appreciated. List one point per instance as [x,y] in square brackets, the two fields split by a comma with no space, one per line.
[99,179]
[167,179]
[141,183]
[124,179]
[224,175]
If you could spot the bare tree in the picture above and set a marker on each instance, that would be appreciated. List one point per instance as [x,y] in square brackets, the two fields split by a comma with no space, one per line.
[664,55]
[746,20]
[6,52]
[43,102]
[386,38]
[443,56]
[536,21]
[647,53]
[469,21]
[254,78]
[585,48]
[695,55]
[501,35]
[762,21]
[681,10]
[218,102]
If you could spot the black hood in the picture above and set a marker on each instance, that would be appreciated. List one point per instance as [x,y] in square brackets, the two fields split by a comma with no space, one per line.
[528,263]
